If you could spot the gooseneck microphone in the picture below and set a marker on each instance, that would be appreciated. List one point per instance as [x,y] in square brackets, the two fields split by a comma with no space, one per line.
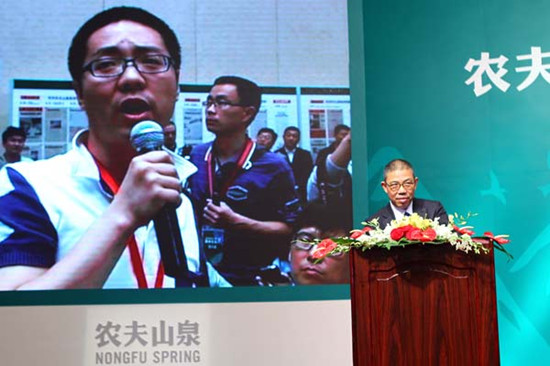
[147,136]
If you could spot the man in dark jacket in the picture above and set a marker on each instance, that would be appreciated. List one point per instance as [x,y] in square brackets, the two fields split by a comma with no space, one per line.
[299,159]
[400,184]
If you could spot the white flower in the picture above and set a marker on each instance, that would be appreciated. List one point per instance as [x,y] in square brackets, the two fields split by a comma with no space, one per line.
[443,231]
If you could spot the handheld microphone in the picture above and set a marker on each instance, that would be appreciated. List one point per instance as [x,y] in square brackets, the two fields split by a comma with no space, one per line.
[147,136]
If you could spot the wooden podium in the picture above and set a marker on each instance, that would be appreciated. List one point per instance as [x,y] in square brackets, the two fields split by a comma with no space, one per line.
[423,305]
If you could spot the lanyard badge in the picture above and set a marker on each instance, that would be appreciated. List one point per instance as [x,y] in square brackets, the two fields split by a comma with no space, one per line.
[131,243]
[214,237]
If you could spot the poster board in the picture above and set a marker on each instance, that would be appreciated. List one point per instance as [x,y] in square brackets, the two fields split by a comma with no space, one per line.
[48,110]
[49,113]
[322,109]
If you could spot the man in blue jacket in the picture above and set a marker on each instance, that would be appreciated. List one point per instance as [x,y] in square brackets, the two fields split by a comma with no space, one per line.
[245,196]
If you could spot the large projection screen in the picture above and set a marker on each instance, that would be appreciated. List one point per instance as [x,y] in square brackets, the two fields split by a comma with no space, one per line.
[236,326]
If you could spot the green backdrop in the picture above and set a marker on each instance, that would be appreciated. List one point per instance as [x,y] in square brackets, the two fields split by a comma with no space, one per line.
[488,154]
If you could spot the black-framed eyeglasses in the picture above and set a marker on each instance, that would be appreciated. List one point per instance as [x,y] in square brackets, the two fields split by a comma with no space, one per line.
[304,242]
[220,103]
[395,186]
[107,67]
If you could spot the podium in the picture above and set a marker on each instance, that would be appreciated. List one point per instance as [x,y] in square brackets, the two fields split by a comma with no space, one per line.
[423,305]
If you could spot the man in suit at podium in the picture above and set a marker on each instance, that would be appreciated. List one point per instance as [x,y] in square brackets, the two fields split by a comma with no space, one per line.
[400,183]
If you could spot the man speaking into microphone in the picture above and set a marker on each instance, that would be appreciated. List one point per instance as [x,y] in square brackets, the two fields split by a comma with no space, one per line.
[85,219]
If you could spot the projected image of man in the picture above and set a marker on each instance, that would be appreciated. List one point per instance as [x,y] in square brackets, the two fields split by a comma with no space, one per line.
[318,221]
[244,194]
[266,137]
[299,159]
[13,141]
[84,219]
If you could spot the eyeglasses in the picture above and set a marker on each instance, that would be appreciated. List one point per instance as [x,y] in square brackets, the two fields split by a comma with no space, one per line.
[304,242]
[395,186]
[220,103]
[107,67]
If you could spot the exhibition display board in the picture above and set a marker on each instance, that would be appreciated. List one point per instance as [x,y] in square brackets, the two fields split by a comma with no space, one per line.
[49,112]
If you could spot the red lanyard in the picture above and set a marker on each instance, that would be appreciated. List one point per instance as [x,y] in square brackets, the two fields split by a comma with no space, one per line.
[245,156]
[137,262]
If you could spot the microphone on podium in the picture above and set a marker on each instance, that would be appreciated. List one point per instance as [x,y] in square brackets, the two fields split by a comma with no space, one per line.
[147,136]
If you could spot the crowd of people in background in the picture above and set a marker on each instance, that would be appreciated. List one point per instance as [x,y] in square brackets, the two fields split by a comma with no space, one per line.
[254,211]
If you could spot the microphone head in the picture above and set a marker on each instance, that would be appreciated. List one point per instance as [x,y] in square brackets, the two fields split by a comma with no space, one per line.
[146,136]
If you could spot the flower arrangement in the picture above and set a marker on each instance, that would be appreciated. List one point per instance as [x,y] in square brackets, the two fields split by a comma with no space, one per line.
[411,230]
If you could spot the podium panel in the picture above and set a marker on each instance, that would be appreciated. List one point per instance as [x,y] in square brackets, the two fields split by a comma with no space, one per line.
[423,305]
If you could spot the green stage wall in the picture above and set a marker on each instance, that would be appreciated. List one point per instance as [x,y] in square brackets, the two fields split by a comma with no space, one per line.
[414,97]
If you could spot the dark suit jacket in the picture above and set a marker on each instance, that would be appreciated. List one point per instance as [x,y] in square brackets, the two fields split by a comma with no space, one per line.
[425,208]
[302,164]
[324,153]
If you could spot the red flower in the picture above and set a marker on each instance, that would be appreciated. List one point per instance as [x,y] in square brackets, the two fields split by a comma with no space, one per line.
[397,233]
[400,232]
[463,230]
[323,248]
[422,235]
[414,234]
[428,235]
[357,233]
[501,239]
